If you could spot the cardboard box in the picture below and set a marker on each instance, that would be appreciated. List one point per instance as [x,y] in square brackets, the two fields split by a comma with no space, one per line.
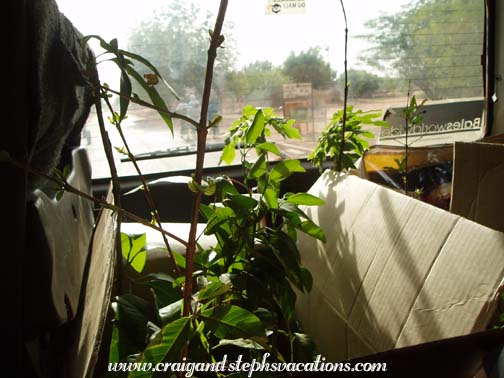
[478,183]
[394,271]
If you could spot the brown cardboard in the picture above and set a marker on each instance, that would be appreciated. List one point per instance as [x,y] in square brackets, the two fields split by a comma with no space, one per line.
[96,296]
[394,271]
[478,183]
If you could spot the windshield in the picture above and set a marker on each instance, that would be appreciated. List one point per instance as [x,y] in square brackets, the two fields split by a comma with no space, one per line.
[287,55]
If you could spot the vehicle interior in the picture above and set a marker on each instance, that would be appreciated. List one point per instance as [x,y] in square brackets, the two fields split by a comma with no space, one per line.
[64,270]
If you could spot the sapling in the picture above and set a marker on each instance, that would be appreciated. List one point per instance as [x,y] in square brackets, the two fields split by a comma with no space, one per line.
[343,141]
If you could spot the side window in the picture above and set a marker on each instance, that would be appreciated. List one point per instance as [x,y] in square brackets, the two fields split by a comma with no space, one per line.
[291,60]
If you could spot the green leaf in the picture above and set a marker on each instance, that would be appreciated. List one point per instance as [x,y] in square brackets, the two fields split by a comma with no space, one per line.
[232,322]
[367,134]
[124,101]
[291,131]
[381,123]
[132,315]
[138,242]
[210,188]
[284,296]
[67,169]
[269,147]
[413,103]
[218,219]
[213,290]
[249,111]
[307,279]
[228,153]
[206,187]
[132,248]
[174,337]
[151,66]
[162,285]
[284,169]
[164,292]
[206,211]
[103,43]
[242,204]
[288,255]
[138,260]
[86,38]
[268,318]
[114,354]
[154,96]
[305,199]
[224,187]
[215,121]
[155,276]
[194,186]
[259,168]
[312,229]
[256,128]
[121,150]
[114,45]
[241,343]
[271,198]
[179,259]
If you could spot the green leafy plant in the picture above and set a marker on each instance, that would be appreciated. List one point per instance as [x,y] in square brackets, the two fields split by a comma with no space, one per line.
[334,145]
[343,141]
[413,116]
[247,281]
[239,296]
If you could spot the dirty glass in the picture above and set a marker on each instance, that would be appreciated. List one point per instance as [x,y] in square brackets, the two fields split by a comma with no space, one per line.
[289,55]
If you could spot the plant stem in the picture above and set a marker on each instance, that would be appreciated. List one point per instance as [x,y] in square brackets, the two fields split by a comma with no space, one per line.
[239,183]
[147,192]
[153,107]
[407,119]
[71,189]
[116,186]
[345,95]
[200,155]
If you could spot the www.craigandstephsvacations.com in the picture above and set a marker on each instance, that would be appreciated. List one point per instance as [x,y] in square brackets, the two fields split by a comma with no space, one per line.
[238,365]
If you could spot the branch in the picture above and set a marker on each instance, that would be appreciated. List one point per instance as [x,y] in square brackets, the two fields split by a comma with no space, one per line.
[215,42]
[406,145]
[71,189]
[154,107]
[116,186]
[147,192]
[345,94]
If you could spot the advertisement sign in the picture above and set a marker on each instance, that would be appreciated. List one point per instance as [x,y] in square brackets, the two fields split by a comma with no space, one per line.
[297,91]
[447,116]
[285,6]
